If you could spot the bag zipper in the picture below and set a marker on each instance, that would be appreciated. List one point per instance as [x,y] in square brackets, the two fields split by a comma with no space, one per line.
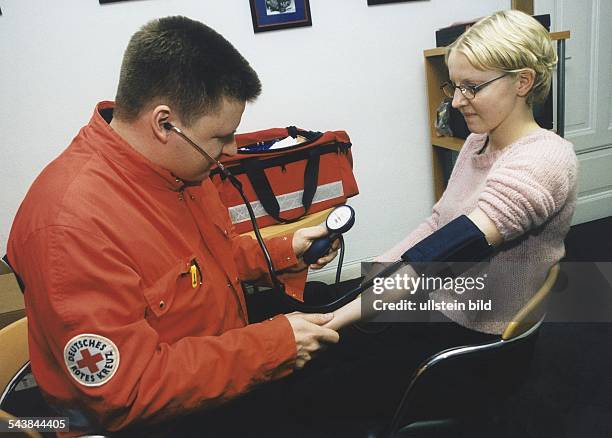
[283,159]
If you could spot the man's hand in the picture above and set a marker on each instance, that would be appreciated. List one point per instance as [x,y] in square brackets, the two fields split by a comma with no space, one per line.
[309,334]
[303,238]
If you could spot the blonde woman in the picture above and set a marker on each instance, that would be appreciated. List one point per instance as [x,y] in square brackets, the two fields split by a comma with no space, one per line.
[513,179]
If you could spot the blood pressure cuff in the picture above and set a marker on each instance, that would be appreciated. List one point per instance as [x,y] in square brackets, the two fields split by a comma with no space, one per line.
[458,241]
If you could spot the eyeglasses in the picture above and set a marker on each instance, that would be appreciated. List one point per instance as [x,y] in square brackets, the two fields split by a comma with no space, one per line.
[468,91]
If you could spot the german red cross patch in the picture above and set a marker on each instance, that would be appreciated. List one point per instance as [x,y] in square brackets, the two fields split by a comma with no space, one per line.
[91,359]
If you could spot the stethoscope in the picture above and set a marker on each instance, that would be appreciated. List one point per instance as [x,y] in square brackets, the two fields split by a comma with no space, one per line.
[338,222]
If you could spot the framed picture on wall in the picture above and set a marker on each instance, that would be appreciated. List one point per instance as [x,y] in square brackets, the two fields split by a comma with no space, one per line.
[102,2]
[382,2]
[279,14]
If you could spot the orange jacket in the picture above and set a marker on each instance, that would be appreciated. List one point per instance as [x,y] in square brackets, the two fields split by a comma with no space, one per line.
[133,294]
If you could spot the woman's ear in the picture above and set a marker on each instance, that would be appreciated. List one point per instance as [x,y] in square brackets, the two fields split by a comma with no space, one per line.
[525,81]
[159,116]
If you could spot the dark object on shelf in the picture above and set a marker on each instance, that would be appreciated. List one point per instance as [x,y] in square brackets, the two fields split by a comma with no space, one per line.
[102,2]
[443,118]
[447,35]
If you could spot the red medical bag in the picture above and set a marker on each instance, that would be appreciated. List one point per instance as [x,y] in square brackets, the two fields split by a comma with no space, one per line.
[312,174]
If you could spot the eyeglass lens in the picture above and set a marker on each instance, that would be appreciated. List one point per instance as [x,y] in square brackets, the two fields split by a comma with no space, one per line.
[449,90]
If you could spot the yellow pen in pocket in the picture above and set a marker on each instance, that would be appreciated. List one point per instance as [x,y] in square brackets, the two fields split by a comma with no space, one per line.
[196,274]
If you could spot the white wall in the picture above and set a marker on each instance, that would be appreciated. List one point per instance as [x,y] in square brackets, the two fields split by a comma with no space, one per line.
[358,68]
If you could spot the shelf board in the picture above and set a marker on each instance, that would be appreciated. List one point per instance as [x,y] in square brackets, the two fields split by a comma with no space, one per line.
[563,35]
[440,51]
[452,143]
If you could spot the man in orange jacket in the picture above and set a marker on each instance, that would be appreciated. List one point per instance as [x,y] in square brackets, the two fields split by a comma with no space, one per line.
[131,269]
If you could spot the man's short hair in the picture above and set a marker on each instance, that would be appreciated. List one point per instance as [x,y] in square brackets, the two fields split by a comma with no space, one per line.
[184,64]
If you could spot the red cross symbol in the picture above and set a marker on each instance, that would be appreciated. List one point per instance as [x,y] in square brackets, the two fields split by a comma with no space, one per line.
[89,361]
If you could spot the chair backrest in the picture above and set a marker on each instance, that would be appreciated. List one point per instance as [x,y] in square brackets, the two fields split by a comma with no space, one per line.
[15,355]
[462,380]
[19,392]
[4,268]
[535,308]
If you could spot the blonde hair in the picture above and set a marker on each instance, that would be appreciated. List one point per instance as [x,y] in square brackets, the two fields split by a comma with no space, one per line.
[510,41]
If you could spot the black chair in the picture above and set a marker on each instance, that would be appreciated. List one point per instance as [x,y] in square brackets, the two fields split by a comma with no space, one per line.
[460,391]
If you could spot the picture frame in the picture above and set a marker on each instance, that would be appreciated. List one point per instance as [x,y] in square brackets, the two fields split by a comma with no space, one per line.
[279,14]
[103,2]
[383,2]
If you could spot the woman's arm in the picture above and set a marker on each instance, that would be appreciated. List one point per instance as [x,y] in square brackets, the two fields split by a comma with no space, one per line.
[427,227]
[351,312]
[487,226]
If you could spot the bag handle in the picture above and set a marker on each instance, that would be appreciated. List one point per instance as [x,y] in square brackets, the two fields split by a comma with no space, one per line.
[310,136]
[259,181]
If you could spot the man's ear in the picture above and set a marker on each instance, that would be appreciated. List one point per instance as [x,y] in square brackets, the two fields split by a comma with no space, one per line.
[158,116]
[525,81]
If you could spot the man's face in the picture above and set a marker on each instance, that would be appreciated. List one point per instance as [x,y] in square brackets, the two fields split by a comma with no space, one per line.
[214,133]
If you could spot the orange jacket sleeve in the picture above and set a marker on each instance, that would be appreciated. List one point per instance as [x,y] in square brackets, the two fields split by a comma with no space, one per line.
[252,265]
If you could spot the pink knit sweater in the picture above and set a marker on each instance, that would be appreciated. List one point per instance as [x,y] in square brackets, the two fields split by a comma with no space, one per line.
[528,189]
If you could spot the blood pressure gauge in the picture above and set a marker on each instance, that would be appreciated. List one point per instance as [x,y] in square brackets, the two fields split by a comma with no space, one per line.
[339,221]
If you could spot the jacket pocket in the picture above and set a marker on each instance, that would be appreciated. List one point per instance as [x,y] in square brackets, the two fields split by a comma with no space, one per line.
[183,276]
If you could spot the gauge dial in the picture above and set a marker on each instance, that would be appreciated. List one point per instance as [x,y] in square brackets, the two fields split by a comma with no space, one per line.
[340,218]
